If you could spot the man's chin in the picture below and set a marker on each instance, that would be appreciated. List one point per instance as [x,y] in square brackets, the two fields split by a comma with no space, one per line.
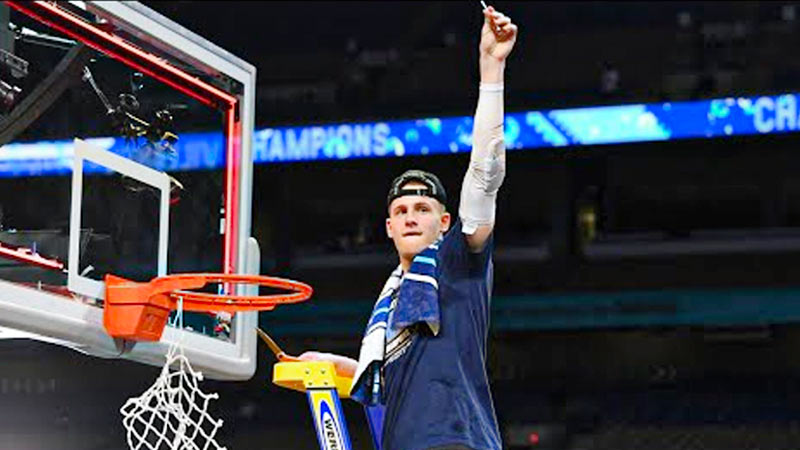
[414,244]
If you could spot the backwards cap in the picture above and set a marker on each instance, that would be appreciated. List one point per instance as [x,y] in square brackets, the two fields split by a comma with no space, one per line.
[433,189]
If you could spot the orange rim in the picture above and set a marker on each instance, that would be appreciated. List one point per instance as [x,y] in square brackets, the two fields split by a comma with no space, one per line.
[139,311]
[203,301]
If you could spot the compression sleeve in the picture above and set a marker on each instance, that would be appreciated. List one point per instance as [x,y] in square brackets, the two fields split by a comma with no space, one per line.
[487,165]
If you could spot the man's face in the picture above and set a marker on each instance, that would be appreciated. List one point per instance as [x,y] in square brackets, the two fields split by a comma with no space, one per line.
[415,222]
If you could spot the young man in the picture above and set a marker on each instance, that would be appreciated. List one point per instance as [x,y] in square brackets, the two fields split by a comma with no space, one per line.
[423,355]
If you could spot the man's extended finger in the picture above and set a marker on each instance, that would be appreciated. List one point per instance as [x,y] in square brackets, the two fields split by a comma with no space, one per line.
[488,16]
[490,20]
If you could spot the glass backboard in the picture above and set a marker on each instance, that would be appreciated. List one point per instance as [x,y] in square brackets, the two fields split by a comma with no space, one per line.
[114,84]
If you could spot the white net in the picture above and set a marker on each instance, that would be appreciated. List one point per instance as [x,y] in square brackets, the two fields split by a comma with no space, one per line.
[173,413]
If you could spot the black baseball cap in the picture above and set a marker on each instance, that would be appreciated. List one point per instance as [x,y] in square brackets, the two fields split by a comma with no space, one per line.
[433,189]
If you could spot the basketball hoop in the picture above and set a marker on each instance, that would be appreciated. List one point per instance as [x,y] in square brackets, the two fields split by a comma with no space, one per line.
[139,311]
[173,413]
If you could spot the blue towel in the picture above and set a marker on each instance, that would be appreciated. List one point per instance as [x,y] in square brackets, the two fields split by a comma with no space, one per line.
[417,302]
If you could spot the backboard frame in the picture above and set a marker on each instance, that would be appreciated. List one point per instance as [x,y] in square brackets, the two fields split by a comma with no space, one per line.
[159,180]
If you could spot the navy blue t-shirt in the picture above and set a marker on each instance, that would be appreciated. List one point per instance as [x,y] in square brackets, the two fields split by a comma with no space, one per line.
[436,387]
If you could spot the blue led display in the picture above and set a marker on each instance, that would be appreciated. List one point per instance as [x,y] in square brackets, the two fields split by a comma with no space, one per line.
[526,130]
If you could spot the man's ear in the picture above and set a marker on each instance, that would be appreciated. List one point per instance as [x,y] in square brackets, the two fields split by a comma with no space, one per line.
[445,222]
[389,228]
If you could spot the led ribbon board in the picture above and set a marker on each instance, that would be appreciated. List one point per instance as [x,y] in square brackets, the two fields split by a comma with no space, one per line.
[530,130]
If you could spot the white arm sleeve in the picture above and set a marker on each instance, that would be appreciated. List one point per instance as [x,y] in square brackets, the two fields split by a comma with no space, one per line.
[487,165]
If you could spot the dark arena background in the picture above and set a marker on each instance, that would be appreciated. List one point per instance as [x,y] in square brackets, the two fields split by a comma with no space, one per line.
[647,247]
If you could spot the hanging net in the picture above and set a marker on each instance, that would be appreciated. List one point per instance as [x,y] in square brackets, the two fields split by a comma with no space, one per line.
[173,413]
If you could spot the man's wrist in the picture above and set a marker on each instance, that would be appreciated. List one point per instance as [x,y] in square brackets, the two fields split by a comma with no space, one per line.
[492,70]
[491,87]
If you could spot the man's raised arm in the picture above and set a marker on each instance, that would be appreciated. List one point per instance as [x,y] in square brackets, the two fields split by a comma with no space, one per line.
[488,158]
